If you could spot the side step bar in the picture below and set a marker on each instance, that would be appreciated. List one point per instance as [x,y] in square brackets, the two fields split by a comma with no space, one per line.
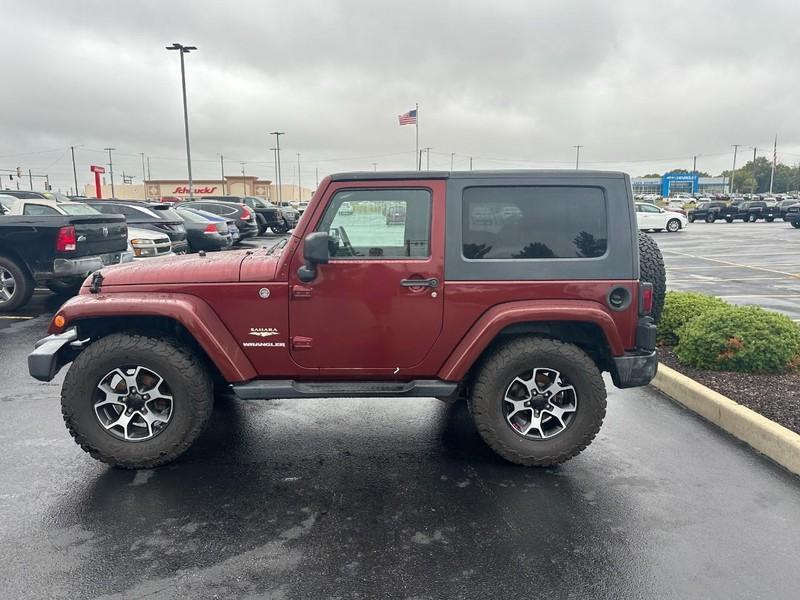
[289,388]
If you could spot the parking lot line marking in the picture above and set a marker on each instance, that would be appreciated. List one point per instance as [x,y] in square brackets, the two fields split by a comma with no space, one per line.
[741,266]
[712,278]
[20,317]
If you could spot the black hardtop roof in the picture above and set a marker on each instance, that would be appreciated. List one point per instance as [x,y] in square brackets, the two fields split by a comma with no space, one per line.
[493,174]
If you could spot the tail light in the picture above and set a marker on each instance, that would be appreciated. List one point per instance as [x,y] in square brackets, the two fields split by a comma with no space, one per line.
[245,214]
[66,240]
[210,228]
[645,298]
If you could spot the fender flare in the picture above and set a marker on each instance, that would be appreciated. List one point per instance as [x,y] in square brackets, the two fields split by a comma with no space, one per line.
[193,313]
[497,318]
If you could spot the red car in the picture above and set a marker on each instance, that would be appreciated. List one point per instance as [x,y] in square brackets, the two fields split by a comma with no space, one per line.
[519,315]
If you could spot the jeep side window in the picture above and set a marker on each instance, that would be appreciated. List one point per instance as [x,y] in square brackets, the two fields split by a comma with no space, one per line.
[375,224]
[527,222]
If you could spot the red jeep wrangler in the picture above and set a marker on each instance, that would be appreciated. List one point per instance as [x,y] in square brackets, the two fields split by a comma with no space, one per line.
[514,290]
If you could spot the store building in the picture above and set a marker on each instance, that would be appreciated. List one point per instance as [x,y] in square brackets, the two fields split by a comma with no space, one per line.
[156,189]
[673,183]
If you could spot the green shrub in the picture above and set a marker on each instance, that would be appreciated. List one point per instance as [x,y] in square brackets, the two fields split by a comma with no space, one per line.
[735,338]
[679,309]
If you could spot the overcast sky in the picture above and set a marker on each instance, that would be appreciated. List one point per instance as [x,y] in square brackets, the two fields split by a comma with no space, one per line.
[643,86]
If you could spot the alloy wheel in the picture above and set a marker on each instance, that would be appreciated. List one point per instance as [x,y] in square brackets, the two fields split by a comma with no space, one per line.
[540,404]
[133,403]
[8,285]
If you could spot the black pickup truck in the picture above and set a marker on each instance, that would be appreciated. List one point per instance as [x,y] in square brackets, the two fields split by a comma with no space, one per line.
[706,211]
[56,251]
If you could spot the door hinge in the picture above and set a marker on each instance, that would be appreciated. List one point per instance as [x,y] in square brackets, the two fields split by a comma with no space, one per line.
[300,342]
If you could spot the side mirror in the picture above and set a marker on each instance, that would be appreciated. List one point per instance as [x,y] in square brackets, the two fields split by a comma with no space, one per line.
[316,252]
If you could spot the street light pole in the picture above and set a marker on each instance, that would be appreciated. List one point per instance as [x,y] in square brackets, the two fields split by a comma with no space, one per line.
[278,135]
[148,168]
[452,156]
[375,167]
[244,185]
[428,158]
[299,188]
[222,171]
[577,156]
[74,171]
[111,169]
[184,50]
[733,171]
[275,164]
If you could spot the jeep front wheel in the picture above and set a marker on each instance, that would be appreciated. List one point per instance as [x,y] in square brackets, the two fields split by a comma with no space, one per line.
[136,402]
[538,402]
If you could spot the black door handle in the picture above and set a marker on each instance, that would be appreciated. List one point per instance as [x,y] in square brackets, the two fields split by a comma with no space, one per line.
[431,283]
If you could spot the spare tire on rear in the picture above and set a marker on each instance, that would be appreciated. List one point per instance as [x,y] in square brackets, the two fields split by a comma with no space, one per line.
[651,270]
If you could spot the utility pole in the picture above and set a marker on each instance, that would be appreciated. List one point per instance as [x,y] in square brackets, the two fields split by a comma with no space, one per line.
[452,156]
[278,135]
[316,172]
[182,50]
[754,157]
[111,169]
[428,158]
[74,170]
[144,178]
[299,187]
[148,168]
[774,162]
[275,163]
[577,156]
[470,163]
[375,167]
[419,160]
[222,172]
[244,185]
[733,171]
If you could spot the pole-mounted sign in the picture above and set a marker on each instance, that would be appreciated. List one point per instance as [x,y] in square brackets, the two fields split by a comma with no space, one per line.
[97,170]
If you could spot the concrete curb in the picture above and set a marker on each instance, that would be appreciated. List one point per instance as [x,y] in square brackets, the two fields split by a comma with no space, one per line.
[765,436]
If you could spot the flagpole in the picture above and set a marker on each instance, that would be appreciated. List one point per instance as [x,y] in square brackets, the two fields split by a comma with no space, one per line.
[416,127]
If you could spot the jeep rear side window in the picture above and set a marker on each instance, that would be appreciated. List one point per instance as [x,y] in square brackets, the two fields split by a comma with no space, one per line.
[533,222]
[375,224]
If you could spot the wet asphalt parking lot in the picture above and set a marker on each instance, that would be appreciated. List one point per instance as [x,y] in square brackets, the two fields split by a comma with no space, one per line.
[744,263]
[388,499]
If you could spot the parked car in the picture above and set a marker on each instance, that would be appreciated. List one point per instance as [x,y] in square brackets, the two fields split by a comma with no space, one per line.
[204,233]
[677,204]
[148,243]
[783,206]
[231,223]
[268,215]
[245,217]
[706,211]
[396,215]
[649,217]
[148,215]
[41,207]
[56,250]
[24,194]
[345,209]
[754,210]
[300,320]
[791,212]
[301,208]
[794,217]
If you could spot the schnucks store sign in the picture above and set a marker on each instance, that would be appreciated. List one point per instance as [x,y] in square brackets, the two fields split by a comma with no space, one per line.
[206,189]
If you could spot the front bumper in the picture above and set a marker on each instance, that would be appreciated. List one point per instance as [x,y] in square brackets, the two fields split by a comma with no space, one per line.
[52,353]
[81,267]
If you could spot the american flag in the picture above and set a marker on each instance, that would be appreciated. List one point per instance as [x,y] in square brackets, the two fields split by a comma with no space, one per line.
[409,118]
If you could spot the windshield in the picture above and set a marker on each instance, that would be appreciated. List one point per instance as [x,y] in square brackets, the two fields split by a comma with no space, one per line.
[76,208]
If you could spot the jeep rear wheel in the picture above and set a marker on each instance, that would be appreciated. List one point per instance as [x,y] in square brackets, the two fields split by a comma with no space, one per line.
[538,402]
[651,270]
[136,402]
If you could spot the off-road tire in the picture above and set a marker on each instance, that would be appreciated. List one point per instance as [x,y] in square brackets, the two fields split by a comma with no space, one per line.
[186,375]
[509,360]
[23,285]
[651,270]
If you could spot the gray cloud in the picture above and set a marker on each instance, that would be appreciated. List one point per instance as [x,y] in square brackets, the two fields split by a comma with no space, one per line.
[642,85]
